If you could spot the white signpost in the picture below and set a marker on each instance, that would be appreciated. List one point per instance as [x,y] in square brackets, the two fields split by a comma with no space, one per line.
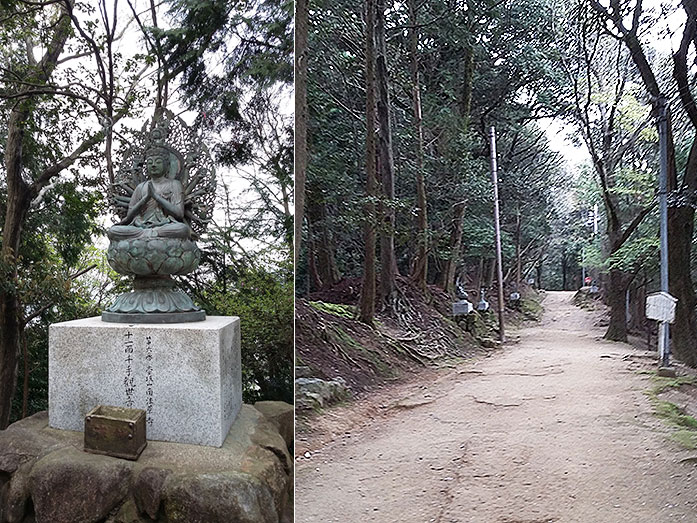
[660,306]
[462,308]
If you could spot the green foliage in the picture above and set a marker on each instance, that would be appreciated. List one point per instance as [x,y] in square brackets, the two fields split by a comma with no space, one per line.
[56,245]
[685,438]
[634,253]
[263,300]
[662,384]
[673,414]
[514,70]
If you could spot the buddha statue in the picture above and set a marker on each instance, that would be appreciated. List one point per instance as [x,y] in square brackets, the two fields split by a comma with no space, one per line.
[156,207]
[163,195]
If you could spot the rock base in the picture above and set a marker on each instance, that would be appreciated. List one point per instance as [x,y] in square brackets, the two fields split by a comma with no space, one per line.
[666,372]
[315,393]
[46,477]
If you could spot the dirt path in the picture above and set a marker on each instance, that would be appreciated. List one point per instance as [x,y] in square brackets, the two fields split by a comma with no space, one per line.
[554,428]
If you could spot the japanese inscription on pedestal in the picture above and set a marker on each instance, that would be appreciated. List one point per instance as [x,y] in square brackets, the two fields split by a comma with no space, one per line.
[129,380]
[138,377]
[148,380]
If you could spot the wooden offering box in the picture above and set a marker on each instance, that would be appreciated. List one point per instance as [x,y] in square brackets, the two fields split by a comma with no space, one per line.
[115,431]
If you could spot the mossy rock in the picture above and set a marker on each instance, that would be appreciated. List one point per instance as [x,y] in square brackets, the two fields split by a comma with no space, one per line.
[337,309]
[531,309]
[476,325]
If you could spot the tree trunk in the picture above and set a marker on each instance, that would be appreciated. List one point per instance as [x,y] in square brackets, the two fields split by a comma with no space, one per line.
[300,166]
[480,276]
[684,329]
[680,233]
[18,200]
[518,253]
[316,282]
[420,268]
[329,272]
[491,269]
[388,262]
[366,312]
[322,242]
[447,276]
[617,287]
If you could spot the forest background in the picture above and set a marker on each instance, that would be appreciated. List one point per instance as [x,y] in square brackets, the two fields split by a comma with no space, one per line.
[77,79]
[393,183]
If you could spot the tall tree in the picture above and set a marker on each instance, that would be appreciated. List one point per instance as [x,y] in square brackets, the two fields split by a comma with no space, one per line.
[32,88]
[600,72]
[388,264]
[300,166]
[680,218]
[420,264]
[367,301]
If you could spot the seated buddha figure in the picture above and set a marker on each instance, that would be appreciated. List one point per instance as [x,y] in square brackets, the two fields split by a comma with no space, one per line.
[156,208]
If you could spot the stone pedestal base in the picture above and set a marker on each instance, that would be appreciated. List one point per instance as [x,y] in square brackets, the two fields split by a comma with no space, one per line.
[46,478]
[186,376]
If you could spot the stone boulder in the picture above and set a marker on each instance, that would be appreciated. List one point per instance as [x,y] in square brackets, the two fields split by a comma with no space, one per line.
[314,393]
[45,476]
[92,485]
[303,371]
[476,325]
[281,414]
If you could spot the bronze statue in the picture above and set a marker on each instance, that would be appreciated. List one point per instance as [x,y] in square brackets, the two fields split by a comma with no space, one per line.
[164,198]
[156,207]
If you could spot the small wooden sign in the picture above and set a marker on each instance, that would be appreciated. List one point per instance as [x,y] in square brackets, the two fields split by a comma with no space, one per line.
[661,306]
[115,431]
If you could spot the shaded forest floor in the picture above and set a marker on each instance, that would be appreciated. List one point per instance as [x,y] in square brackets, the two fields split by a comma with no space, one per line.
[560,425]
[419,341]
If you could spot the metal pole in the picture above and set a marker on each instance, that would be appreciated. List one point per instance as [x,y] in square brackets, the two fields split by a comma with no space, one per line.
[497,228]
[664,329]
[595,220]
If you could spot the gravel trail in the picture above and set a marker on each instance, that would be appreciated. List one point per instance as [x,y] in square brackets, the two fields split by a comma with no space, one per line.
[553,428]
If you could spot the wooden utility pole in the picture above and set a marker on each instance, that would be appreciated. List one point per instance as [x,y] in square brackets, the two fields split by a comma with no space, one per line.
[497,228]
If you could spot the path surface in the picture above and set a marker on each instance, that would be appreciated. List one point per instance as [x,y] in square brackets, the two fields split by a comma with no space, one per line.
[554,428]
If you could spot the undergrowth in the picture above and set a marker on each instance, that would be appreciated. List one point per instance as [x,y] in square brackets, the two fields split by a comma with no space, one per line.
[531,309]
[337,309]
[673,414]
